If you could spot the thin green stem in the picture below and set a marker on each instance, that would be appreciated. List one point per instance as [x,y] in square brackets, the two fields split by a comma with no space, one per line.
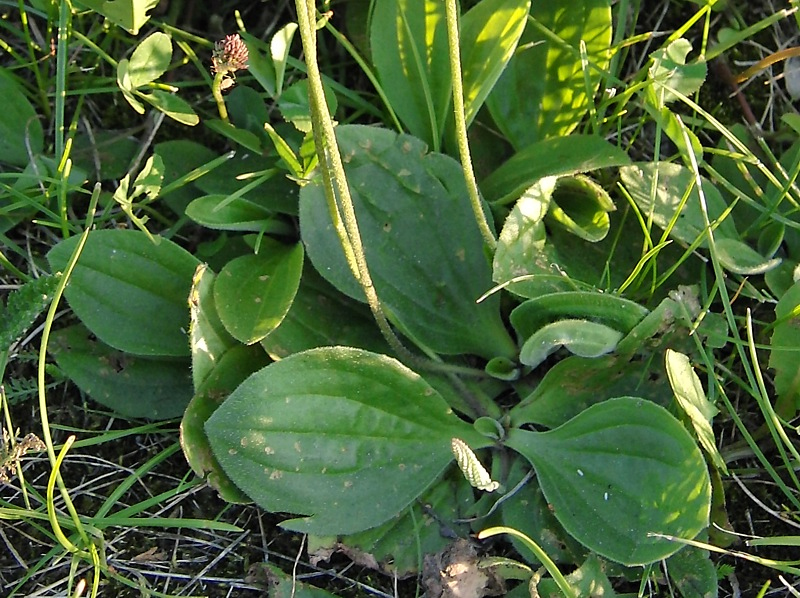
[461,125]
[216,90]
[64,26]
[43,413]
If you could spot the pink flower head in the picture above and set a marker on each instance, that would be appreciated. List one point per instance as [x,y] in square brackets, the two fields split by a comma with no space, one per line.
[230,55]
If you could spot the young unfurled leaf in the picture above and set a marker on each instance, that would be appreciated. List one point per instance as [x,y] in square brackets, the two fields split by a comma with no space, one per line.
[691,398]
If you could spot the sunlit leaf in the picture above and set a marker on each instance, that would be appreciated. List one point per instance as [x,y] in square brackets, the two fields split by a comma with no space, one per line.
[325,432]
[617,473]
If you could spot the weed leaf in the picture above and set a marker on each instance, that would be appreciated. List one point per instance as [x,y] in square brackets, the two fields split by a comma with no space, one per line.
[619,471]
[253,292]
[421,241]
[130,292]
[543,91]
[489,34]
[408,39]
[131,385]
[128,14]
[345,436]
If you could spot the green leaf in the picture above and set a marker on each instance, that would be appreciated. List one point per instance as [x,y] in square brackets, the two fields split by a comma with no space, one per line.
[692,400]
[279,48]
[173,106]
[238,214]
[408,39]
[253,292]
[180,157]
[739,258]
[784,357]
[421,241]
[605,308]
[247,139]
[130,292]
[558,156]
[527,511]
[20,127]
[590,579]
[321,316]
[693,573]
[295,108]
[397,544]
[581,337]
[229,369]
[543,91]
[284,150]
[670,71]
[575,383]
[523,237]
[128,14]
[258,65]
[670,207]
[132,386]
[150,59]
[618,472]
[581,206]
[490,31]
[345,436]
[208,339]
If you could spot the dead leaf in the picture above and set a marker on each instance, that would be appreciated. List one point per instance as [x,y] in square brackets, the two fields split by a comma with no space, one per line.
[455,573]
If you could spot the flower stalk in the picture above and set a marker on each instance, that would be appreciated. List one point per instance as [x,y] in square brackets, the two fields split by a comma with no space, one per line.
[230,55]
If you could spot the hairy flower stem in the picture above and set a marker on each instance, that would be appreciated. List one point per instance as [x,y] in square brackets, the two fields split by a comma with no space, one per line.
[340,202]
[334,178]
[451,14]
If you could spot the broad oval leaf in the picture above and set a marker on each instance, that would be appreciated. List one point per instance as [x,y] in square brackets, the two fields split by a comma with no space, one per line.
[253,292]
[131,385]
[422,245]
[220,212]
[208,339]
[230,369]
[618,472]
[581,337]
[397,544]
[581,206]
[130,292]
[576,383]
[345,436]
[150,59]
[321,316]
[543,91]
